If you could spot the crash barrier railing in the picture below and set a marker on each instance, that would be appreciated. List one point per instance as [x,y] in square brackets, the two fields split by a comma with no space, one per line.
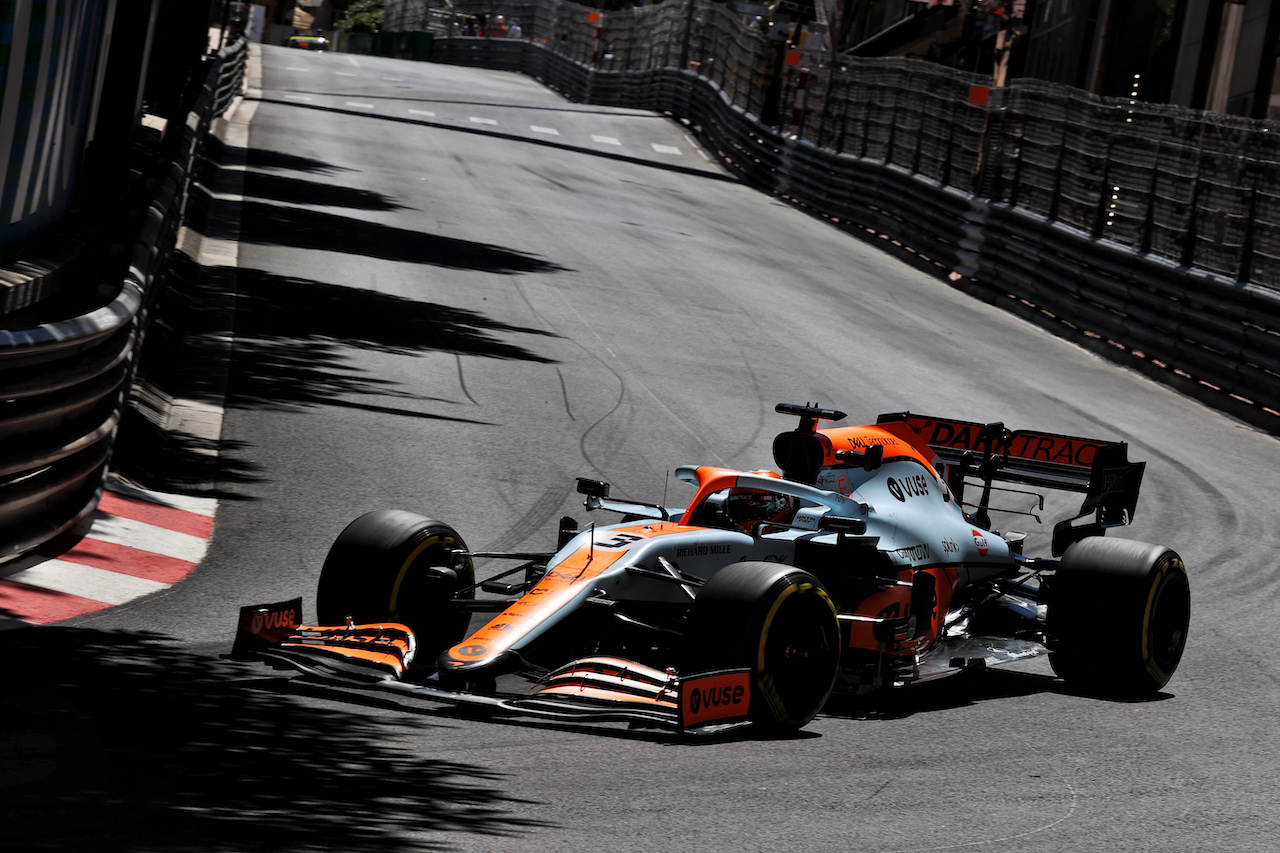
[1213,337]
[232,63]
[63,379]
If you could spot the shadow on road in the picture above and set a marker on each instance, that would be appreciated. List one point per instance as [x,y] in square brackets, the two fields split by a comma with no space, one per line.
[318,230]
[969,688]
[264,158]
[962,690]
[291,332]
[324,194]
[123,741]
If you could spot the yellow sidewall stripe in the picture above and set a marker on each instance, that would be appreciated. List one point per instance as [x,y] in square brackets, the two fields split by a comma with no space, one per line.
[404,569]
[1153,668]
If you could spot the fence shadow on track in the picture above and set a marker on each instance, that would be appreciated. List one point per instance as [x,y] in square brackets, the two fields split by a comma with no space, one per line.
[290,333]
[149,456]
[270,224]
[264,223]
[124,741]
[290,336]
[264,158]
[185,357]
[321,193]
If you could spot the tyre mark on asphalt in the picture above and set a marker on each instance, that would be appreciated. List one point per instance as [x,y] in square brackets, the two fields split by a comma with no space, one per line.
[462,379]
[534,521]
[713,456]
[564,392]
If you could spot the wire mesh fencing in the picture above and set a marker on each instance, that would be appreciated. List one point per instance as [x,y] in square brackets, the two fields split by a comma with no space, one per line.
[1199,190]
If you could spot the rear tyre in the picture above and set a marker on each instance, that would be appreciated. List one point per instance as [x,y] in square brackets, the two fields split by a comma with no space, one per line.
[1118,616]
[777,621]
[397,566]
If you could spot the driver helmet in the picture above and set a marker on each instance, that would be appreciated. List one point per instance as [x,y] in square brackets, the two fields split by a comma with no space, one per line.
[748,507]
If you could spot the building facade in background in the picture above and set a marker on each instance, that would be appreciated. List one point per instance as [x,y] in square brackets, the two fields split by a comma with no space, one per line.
[1215,55]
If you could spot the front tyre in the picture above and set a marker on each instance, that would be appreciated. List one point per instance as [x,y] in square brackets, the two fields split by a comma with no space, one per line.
[779,622]
[1118,616]
[397,566]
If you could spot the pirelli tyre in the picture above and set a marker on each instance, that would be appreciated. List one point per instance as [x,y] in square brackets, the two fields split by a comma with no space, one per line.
[1118,613]
[398,566]
[778,621]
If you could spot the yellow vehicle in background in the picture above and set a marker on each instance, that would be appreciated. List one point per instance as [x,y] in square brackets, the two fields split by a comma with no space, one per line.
[309,42]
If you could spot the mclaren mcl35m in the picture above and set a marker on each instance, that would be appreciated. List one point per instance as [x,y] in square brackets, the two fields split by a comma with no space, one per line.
[866,562]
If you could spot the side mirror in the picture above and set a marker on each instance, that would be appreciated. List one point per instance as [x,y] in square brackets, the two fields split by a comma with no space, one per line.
[593,488]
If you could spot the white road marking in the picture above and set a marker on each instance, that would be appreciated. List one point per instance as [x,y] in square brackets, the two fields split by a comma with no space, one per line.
[297,98]
[393,79]
[478,120]
[548,130]
[87,582]
[607,140]
[421,112]
[297,68]
[149,537]
[358,104]
[666,149]
[345,73]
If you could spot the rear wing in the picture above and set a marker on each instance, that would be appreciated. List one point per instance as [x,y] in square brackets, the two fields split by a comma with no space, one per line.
[992,453]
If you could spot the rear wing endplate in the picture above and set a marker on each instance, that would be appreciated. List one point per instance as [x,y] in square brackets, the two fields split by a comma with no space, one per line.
[990,452]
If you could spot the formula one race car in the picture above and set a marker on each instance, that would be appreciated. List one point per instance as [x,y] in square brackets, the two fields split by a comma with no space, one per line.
[865,565]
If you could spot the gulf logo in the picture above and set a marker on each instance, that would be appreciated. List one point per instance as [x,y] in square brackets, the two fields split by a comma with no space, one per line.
[980,542]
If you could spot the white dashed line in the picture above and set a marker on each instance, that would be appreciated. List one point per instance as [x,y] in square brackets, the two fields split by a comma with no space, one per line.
[607,140]
[344,73]
[296,68]
[666,149]
[360,105]
[393,79]
[477,120]
[548,130]
[296,98]
[421,113]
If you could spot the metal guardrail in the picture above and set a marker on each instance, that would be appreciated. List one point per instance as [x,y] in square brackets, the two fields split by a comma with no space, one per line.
[63,382]
[1215,339]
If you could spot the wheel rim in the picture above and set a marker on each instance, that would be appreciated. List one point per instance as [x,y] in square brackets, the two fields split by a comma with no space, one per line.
[798,654]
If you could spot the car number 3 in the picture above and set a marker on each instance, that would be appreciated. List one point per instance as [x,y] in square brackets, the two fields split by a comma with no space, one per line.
[621,540]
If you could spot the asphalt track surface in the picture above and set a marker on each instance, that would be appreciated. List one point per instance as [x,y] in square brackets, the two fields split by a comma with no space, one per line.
[445,307]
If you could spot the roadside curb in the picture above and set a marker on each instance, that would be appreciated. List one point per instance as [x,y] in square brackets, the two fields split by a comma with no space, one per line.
[135,543]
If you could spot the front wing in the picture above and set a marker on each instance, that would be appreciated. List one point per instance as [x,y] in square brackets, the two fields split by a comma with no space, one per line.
[593,689]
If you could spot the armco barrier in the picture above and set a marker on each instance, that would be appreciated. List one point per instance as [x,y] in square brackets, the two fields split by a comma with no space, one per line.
[64,378]
[1213,338]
